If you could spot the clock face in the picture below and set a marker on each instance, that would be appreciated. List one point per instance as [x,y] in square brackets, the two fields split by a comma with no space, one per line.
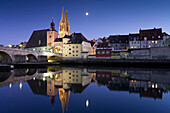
[50,36]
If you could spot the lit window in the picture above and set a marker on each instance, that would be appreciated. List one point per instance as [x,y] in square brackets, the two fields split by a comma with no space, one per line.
[135,47]
[149,41]
[149,46]
[131,46]
[159,36]
[145,38]
[39,42]
[156,42]
[152,41]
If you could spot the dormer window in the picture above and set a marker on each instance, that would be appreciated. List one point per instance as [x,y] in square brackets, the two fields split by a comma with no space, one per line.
[145,38]
[39,42]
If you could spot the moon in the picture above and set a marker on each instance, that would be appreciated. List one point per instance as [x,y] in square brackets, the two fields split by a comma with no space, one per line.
[87,14]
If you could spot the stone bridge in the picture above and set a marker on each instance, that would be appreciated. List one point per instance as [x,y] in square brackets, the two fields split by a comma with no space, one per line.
[12,55]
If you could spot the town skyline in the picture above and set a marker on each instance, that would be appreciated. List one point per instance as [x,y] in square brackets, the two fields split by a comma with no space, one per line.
[98,23]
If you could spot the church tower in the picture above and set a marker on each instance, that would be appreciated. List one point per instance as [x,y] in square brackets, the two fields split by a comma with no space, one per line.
[64,27]
[67,24]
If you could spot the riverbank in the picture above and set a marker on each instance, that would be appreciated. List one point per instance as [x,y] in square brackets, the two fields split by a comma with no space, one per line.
[119,62]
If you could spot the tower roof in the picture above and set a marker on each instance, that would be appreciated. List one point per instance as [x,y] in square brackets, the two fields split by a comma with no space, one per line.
[52,25]
[67,22]
[62,16]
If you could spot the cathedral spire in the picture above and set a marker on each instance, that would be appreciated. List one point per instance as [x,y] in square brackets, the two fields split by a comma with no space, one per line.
[62,16]
[67,24]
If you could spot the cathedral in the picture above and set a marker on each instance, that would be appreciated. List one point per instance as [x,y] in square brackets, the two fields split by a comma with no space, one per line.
[64,27]
[49,40]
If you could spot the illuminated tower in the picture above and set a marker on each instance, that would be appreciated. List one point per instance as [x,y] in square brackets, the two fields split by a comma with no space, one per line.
[52,34]
[64,27]
[67,24]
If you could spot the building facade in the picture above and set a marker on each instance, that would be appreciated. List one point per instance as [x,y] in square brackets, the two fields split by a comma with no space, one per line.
[151,38]
[134,41]
[75,45]
[118,42]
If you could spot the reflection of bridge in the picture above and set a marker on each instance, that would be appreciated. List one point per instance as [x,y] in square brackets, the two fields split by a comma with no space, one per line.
[19,75]
[11,55]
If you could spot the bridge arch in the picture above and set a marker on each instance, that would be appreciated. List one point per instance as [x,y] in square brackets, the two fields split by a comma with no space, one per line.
[54,58]
[31,72]
[4,76]
[31,58]
[5,58]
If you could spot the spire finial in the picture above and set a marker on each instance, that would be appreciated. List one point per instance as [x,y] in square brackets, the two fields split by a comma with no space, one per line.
[62,17]
[52,19]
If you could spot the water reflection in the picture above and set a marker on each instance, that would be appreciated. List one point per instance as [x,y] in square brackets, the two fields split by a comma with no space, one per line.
[53,81]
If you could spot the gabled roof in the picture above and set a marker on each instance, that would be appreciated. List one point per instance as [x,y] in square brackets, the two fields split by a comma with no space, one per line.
[36,36]
[118,39]
[77,38]
[58,40]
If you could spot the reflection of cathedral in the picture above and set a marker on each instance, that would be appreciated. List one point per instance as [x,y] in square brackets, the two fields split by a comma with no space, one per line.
[69,79]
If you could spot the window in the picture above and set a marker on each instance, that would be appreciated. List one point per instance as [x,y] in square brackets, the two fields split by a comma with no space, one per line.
[73,46]
[103,52]
[59,43]
[76,46]
[152,36]
[156,42]
[50,36]
[76,55]
[159,36]
[76,75]
[69,48]
[77,51]
[73,51]
[145,38]
[149,46]
[39,42]
[73,75]
[69,52]
[107,52]
[152,41]
[98,52]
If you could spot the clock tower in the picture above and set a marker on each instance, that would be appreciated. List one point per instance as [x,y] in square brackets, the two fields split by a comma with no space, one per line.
[52,34]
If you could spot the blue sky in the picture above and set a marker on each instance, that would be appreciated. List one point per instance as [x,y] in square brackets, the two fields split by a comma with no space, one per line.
[19,18]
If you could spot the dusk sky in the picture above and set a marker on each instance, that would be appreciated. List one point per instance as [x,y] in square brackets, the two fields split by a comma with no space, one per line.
[19,18]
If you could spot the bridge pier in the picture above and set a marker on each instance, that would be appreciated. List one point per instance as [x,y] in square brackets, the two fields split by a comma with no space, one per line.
[19,58]
[42,58]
